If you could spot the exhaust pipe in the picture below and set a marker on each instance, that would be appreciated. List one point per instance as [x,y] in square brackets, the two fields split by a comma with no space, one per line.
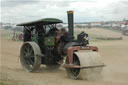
[70,25]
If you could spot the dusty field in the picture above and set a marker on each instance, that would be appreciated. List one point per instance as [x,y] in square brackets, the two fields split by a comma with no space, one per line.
[101,32]
[115,56]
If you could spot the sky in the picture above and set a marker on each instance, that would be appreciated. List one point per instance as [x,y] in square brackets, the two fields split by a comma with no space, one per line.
[17,11]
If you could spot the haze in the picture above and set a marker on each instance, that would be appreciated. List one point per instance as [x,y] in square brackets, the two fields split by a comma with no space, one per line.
[16,11]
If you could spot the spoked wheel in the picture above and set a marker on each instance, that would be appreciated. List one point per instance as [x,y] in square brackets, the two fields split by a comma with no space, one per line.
[73,72]
[29,56]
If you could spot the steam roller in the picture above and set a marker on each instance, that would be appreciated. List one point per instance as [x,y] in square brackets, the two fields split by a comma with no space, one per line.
[84,63]
[45,44]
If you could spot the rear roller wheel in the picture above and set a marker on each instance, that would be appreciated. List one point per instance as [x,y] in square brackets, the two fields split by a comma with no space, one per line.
[29,56]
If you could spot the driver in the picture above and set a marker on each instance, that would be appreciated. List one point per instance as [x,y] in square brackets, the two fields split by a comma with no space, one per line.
[52,32]
[61,33]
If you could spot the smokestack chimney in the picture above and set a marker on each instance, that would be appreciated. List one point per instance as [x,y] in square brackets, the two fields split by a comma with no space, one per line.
[70,25]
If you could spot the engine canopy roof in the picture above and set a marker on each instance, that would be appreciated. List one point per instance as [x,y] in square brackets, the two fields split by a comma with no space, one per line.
[45,21]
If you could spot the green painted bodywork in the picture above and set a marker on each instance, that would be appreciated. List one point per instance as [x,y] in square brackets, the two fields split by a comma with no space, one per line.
[44,21]
[49,41]
[35,38]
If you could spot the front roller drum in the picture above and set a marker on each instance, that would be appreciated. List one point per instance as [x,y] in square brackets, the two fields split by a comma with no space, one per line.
[86,65]
[30,56]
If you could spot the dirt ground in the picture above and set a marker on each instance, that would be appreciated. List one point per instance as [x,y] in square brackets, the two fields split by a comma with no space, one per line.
[114,53]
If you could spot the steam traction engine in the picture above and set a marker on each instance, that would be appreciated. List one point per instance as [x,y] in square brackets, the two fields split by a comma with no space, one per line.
[46,44]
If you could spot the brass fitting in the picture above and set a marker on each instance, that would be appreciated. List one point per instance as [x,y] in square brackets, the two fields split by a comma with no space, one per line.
[70,12]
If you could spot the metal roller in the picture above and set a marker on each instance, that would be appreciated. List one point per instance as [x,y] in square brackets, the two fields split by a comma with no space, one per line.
[90,63]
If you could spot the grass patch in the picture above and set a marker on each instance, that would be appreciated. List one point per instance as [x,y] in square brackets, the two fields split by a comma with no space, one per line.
[2,83]
[111,29]
[6,80]
[8,34]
